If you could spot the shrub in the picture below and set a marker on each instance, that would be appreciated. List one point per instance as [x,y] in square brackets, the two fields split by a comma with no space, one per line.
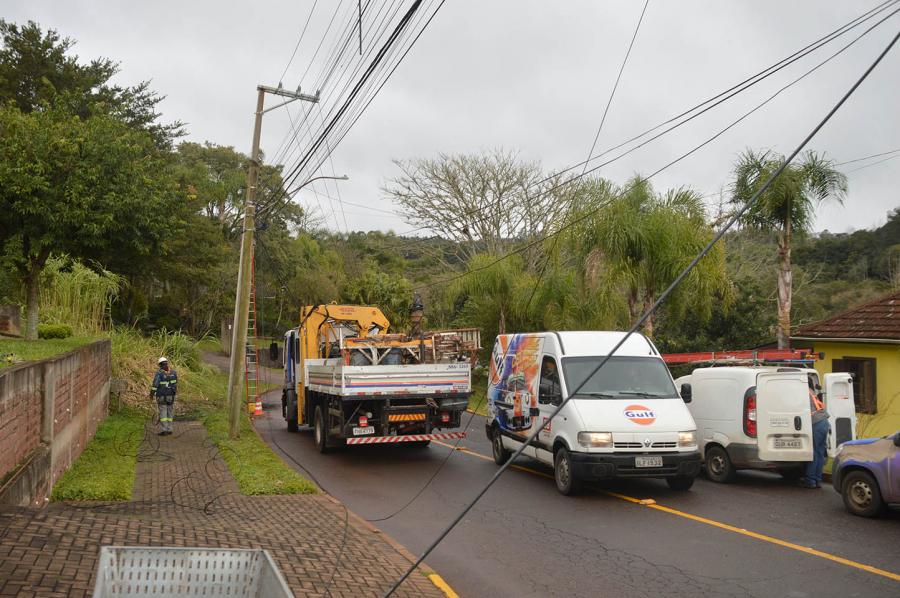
[54,331]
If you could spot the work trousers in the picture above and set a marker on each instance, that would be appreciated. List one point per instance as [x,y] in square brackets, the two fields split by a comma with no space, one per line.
[166,414]
[820,453]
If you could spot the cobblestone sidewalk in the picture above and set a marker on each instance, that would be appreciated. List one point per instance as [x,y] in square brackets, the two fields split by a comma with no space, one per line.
[184,495]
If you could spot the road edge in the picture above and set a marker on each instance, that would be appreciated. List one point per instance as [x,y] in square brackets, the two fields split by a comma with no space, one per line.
[423,567]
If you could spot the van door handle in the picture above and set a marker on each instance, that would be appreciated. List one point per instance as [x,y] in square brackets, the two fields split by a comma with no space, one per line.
[798,423]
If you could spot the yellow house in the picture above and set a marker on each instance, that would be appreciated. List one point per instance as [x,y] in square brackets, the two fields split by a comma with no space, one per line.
[864,341]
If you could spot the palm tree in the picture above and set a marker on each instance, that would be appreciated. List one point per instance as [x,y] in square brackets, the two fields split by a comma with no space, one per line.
[787,208]
[639,241]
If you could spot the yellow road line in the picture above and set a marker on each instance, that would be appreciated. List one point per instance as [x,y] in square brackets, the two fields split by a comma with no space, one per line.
[442,585]
[737,530]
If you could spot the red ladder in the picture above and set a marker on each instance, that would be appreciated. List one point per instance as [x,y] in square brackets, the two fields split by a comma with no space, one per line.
[748,355]
[251,361]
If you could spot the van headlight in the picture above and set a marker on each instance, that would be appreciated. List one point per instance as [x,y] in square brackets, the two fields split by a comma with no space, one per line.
[687,438]
[595,439]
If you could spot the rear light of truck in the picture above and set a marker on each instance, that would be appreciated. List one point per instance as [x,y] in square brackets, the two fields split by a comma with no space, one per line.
[363,421]
[750,412]
[445,417]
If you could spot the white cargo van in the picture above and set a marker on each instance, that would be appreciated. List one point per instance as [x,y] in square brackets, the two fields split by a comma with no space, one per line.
[626,421]
[758,417]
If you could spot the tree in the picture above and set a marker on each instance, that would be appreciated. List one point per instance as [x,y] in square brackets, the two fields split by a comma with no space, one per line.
[37,70]
[787,208]
[482,202]
[639,241]
[391,293]
[494,286]
[82,187]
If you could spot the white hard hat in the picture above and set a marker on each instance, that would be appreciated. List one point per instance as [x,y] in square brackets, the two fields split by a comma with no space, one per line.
[161,360]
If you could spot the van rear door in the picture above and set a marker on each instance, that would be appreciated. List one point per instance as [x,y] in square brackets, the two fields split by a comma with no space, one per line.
[842,409]
[784,428]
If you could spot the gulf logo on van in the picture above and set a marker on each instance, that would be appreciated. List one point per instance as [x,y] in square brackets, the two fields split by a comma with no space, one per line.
[640,414]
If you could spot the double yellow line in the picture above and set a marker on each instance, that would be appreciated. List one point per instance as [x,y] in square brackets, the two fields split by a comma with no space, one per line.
[651,504]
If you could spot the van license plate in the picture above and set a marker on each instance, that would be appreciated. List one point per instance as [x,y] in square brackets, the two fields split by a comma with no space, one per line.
[363,431]
[788,443]
[648,462]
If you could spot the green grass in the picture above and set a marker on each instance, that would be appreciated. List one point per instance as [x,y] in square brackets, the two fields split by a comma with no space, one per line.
[255,467]
[15,350]
[105,470]
[211,344]
[478,401]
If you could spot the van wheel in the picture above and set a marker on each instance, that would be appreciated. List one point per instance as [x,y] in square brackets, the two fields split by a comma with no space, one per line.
[320,431]
[861,494]
[566,482]
[501,454]
[718,465]
[680,483]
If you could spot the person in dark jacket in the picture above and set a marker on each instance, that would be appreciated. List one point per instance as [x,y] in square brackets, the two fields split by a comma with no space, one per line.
[164,388]
[813,475]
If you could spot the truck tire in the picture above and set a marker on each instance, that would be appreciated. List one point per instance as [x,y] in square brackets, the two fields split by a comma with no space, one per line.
[563,473]
[501,453]
[718,465]
[861,494]
[291,412]
[680,483]
[320,431]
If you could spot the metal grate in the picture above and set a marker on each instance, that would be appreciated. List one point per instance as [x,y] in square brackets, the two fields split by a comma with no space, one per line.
[174,572]
[657,445]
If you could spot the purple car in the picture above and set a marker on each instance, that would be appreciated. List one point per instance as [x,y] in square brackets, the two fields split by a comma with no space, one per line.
[866,472]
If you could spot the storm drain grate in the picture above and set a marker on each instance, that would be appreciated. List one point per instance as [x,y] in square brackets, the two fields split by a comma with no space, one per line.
[174,572]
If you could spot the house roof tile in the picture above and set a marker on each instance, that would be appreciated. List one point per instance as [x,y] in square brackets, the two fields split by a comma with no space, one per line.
[879,319]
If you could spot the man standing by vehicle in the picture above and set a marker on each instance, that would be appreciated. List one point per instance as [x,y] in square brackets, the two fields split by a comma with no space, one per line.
[164,387]
[813,476]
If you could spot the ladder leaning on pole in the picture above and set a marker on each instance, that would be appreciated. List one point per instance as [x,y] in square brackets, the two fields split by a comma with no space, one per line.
[251,367]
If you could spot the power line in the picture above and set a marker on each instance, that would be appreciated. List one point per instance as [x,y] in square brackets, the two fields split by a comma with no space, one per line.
[716,100]
[893,151]
[883,160]
[640,322]
[595,210]
[302,33]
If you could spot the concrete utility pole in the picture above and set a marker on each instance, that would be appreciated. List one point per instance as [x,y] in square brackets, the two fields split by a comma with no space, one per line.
[242,296]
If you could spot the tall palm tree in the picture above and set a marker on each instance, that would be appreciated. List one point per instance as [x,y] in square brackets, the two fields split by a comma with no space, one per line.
[640,240]
[787,208]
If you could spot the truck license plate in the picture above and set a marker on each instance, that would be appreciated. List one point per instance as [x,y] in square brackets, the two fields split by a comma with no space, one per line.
[648,462]
[363,431]
[788,443]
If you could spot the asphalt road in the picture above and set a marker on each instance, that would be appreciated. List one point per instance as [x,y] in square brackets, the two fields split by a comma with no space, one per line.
[759,536]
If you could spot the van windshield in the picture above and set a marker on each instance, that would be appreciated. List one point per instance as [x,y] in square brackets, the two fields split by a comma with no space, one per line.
[619,378]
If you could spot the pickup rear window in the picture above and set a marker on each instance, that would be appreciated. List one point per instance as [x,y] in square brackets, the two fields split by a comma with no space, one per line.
[619,378]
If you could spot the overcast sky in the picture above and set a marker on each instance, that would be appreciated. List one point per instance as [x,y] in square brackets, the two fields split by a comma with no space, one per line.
[526,76]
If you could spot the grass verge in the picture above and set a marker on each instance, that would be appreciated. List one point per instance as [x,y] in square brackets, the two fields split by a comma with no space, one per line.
[105,470]
[478,401]
[16,350]
[253,464]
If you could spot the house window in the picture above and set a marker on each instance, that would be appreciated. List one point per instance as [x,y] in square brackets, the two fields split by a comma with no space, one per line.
[863,371]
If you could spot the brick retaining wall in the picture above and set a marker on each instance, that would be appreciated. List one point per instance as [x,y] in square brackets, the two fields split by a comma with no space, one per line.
[49,411]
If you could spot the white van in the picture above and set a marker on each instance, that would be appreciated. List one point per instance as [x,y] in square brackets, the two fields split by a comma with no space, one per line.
[626,421]
[758,417]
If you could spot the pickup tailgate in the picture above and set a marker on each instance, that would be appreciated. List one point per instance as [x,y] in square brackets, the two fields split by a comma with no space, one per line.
[414,379]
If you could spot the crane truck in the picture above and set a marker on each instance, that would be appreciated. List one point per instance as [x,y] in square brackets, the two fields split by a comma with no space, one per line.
[355,383]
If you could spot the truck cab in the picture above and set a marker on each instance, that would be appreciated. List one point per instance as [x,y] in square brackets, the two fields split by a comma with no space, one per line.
[625,420]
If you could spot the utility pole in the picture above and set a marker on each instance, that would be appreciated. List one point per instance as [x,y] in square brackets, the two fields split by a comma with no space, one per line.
[242,296]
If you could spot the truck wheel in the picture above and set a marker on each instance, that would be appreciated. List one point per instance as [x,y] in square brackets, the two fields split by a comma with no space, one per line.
[501,454]
[861,494]
[290,411]
[680,483]
[566,482]
[718,465]
[320,432]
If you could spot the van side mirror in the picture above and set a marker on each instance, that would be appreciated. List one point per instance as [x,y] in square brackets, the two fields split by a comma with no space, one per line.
[686,393]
